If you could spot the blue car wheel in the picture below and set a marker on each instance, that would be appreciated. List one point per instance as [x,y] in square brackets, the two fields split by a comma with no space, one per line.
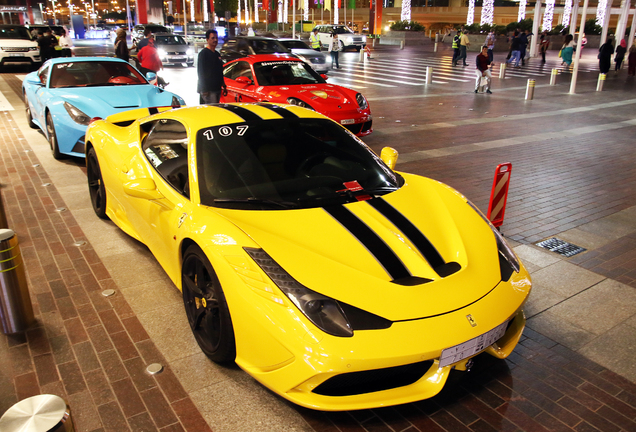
[50,131]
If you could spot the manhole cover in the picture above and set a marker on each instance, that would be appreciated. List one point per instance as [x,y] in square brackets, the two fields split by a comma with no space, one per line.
[561,247]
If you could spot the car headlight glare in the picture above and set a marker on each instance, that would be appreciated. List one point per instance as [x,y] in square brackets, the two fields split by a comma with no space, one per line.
[298,102]
[77,115]
[162,52]
[329,315]
[362,101]
[34,48]
[189,52]
[507,259]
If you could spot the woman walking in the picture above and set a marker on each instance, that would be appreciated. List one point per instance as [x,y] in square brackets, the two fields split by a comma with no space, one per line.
[121,46]
[605,56]
[567,50]
[620,54]
[334,49]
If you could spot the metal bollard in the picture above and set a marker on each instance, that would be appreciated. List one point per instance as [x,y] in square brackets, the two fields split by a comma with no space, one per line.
[435,48]
[373,44]
[502,71]
[41,413]
[3,214]
[555,72]
[401,45]
[530,90]
[429,74]
[601,81]
[16,311]
[361,58]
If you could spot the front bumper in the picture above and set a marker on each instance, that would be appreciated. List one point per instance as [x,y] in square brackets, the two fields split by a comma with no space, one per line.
[377,368]
[177,59]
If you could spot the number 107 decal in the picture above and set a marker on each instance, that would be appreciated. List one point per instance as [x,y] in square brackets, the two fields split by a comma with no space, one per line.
[226,131]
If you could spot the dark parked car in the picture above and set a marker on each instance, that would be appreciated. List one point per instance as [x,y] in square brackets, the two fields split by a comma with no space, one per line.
[241,46]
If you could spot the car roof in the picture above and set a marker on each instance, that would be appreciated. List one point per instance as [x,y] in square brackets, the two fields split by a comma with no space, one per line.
[85,59]
[257,58]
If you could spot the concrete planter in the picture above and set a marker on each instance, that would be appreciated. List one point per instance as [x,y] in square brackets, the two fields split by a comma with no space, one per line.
[409,38]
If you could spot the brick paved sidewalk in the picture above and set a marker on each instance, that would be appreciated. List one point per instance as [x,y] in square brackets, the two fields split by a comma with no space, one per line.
[93,350]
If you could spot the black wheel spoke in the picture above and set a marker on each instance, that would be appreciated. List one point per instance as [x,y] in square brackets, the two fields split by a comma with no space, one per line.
[192,286]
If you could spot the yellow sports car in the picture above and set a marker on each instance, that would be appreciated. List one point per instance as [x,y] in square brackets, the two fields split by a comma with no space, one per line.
[302,256]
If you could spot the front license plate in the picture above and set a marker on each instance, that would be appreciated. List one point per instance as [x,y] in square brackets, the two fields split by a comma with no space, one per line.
[347,121]
[16,55]
[472,347]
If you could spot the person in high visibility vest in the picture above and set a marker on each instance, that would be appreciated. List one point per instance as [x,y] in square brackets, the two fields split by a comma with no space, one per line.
[315,40]
[456,39]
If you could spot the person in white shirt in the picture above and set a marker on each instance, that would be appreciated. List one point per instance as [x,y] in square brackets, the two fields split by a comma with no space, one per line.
[66,43]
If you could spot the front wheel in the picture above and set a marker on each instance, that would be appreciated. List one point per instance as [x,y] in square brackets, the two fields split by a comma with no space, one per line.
[206,307]
[96,187]
[50,132]
[29,116]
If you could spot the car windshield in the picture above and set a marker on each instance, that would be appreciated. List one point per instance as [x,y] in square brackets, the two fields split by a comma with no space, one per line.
[93,74]
[277,73]
[14,33]
[287,163]
[295,44]
[169,40]
[342,30]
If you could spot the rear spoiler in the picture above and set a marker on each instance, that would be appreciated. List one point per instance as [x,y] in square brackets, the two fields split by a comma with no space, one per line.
[126,118]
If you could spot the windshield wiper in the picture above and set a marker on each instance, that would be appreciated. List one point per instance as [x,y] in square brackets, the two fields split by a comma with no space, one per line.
[254,200]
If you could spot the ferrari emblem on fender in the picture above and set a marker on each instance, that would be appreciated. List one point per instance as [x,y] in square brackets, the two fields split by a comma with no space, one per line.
[320,94]
[181,219]
[471,320]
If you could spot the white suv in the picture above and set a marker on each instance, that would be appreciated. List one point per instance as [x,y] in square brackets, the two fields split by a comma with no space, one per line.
[346,37]
[16,46]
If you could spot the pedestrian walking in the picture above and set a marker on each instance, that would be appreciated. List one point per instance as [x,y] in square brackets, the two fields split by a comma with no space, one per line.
[334,49]
[456,40]
[483,69]
[605,56]
[315,39]
[210,71]
[524,45]
[544,44]
[149,60]
[620,54]
[631,61]
[567,50]
[464,43]
[490,43]
[121,46]
[515,50]
[44,43]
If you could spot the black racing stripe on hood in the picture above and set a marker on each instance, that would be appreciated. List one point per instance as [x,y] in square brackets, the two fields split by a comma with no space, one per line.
[244,113]
[420,241]
[283,112]
[374,244]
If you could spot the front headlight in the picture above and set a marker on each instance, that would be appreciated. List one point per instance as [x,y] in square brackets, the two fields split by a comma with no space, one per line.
[162,52]
[77,115]
[300,103]
[190,52]
[362,101]
[34,48]
[329,315]
[508,261]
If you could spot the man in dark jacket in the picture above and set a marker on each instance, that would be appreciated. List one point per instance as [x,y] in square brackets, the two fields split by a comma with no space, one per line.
[483,69]
[44,43]
[210,71]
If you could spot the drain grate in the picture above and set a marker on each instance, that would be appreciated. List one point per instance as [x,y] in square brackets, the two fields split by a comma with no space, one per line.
[561,247]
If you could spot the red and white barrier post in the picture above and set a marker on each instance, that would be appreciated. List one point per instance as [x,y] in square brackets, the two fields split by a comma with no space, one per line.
[499,194]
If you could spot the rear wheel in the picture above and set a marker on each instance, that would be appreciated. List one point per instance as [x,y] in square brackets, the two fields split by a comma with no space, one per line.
[28,114]
[50,132]
[96,184]
[206,308]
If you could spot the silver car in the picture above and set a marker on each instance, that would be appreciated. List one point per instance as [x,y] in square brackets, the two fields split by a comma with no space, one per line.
[320,62]
[173,49]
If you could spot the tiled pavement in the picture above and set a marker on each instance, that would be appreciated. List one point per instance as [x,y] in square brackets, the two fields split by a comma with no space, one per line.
[573,369]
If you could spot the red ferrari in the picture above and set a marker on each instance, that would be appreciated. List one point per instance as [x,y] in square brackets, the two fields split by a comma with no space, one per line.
[288,80]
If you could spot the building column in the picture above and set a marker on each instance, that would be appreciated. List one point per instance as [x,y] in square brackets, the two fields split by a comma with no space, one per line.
[535,29]
[622,21]
[608,13]
[574,17]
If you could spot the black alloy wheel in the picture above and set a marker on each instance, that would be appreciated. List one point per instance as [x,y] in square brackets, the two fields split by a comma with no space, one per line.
[206,308]
[50,132]
[96,184]
[28,114]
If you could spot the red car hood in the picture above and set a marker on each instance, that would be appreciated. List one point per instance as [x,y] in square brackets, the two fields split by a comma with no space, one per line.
[322,97]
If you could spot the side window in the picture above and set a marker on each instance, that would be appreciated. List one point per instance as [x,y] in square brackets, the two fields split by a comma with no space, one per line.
[166,147]
[43,74]
[238,69]
[243,46]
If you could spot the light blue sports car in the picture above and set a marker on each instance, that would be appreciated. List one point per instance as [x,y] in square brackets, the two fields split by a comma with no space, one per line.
[64,95]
